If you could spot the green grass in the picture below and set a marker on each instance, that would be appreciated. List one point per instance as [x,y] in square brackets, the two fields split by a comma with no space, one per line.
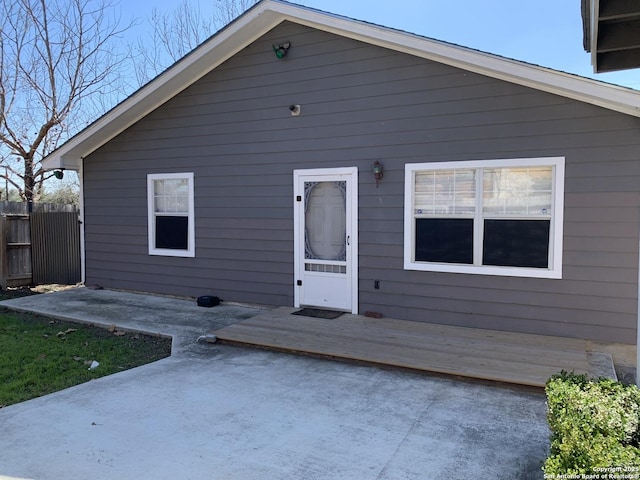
[40,355]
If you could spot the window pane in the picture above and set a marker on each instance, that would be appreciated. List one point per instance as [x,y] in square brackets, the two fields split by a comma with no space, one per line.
[516,243]
[444,240]
[325,221]
[445,192]
[171,195]
[517,191]
[172,232]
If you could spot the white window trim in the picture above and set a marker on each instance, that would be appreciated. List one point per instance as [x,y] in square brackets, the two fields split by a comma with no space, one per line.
[556,228]
[191,244]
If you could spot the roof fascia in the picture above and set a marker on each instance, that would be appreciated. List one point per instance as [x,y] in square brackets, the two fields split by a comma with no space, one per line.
[594,12]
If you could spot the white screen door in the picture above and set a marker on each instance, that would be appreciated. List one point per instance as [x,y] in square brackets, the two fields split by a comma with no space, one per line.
[326,238]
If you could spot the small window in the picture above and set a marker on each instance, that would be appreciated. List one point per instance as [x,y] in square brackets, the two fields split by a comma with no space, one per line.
[496,217]
[171,218]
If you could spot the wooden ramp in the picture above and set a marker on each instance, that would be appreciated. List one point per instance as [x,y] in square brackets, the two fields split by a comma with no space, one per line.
[469,352]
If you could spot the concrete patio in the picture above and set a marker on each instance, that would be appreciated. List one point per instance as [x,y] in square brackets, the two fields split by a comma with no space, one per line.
[221,412]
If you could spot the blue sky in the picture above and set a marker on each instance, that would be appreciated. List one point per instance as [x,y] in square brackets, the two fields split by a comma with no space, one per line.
[542,32]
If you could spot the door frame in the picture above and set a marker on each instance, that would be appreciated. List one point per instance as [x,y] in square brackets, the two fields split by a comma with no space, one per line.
[352,227]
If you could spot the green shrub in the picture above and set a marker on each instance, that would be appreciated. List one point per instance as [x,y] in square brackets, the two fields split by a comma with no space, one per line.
[594,427]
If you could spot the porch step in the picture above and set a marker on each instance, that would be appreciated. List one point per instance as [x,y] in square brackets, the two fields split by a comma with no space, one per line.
[601,365]
[484,354]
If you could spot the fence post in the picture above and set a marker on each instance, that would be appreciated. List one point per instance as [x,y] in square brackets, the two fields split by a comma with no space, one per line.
[3,253]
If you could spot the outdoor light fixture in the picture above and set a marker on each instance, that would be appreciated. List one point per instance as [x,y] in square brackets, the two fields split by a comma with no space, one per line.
[59,174]
[376,168]
[282,49]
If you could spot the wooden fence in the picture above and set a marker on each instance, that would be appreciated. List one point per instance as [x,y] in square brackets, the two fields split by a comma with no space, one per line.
[39,247]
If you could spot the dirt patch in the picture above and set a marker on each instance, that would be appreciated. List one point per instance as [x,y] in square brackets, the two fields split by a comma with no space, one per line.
[18,292]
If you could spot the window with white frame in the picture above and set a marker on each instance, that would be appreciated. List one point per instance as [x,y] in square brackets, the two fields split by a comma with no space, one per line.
[171,217]
[494,217]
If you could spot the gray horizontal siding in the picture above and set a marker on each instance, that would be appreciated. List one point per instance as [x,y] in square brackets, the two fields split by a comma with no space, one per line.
[361,103]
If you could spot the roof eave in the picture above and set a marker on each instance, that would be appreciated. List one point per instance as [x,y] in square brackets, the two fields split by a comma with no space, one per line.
[594,17]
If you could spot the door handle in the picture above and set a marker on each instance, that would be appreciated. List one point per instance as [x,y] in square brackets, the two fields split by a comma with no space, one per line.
[348,239]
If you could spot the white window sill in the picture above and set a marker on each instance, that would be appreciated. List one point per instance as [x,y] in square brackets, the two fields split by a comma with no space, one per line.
[172,253]
[485,270]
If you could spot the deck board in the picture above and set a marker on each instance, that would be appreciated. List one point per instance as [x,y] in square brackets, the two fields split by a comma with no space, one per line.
[484,354]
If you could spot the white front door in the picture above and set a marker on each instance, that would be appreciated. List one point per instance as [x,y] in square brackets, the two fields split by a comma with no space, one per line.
[326,243]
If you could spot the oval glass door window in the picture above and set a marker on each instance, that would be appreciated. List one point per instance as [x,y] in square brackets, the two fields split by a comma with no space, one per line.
[325,221]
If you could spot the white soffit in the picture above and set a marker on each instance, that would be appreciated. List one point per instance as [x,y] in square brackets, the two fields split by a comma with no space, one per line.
[269,13]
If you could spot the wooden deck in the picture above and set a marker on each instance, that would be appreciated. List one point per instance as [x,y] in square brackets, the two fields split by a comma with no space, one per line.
[483,354]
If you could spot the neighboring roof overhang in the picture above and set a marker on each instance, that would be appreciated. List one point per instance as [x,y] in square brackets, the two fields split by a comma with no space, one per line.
[267,14]
[612,33]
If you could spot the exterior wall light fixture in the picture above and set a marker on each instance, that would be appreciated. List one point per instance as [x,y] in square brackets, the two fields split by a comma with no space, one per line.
[376,168]
[282,49]
[59,174]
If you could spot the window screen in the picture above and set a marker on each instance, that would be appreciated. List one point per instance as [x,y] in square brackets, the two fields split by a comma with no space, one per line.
[172,232]
[516,243]
[445,240]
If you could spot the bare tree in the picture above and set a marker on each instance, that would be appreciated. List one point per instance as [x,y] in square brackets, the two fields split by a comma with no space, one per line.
[55,55]
[176,32]
[226,11]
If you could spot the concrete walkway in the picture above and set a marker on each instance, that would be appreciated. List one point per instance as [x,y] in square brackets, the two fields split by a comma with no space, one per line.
[220,412]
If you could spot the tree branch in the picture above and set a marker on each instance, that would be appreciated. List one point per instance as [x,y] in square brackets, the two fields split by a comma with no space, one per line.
[56,54]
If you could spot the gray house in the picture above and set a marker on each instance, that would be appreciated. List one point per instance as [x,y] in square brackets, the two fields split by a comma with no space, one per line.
[302,158]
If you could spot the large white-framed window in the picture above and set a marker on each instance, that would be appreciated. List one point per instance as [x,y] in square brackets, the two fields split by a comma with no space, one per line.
[171,214]
[489,217]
